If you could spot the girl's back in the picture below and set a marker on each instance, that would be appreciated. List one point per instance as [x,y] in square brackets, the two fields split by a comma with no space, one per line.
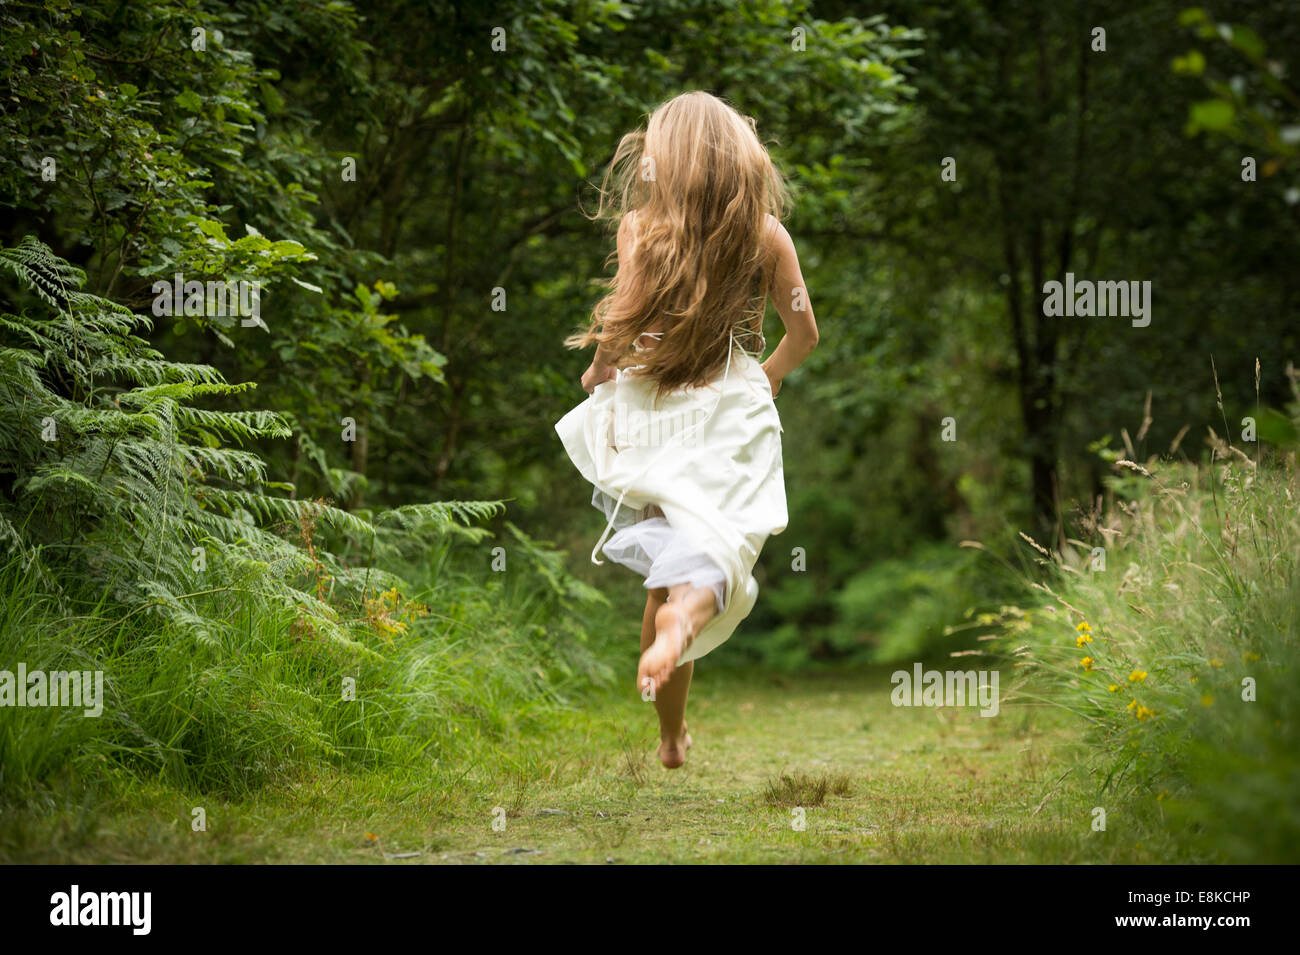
[680,438]
[698,201]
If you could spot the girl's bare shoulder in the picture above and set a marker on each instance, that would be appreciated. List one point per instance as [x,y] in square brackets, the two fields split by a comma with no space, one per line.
[777,239]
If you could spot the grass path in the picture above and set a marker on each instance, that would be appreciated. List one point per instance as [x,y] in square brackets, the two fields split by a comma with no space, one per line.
[876,783]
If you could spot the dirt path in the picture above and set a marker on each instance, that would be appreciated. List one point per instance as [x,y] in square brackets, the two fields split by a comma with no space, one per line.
[870,782]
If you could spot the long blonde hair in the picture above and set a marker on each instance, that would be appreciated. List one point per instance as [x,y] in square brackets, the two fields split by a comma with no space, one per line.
[695,188]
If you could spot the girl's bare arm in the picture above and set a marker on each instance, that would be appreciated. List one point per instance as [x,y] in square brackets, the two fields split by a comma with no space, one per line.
[790,296]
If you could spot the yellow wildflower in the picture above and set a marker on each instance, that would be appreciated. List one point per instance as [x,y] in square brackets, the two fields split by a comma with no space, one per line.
[1081,639]
[1144,712]
[1113,687]
[1087,663]
[1207,699]
[1083,627]
[1137,676]
[1250,657]
[1132,705]
[1216,662]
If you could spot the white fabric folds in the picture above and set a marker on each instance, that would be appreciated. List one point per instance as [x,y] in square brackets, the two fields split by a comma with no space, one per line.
[709,458]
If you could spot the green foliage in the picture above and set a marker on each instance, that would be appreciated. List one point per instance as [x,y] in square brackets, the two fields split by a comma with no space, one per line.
[1257,109]
[1178,659]
[143,542]
[135,153]
[896,609]
[264,701]
[104,443]
[471,164]
[1241,770]
[904,609]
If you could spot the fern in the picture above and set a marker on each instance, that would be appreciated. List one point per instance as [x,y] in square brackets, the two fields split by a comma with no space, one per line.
[112,474]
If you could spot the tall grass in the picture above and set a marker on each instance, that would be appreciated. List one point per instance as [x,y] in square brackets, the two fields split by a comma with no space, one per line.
[450,672]
[1179,658]
[244,634]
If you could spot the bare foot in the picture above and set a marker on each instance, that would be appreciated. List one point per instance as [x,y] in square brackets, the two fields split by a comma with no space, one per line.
[672,636]
[672,752]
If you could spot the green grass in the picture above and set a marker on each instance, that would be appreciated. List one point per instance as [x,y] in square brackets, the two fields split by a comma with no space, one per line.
[510,702]
[1178,660]
[876,783]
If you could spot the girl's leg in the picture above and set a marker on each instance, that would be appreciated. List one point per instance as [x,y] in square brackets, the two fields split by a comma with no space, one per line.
[669,700]
[676,621]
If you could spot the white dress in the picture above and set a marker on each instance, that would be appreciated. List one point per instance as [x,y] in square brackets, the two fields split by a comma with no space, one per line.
[709,458]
